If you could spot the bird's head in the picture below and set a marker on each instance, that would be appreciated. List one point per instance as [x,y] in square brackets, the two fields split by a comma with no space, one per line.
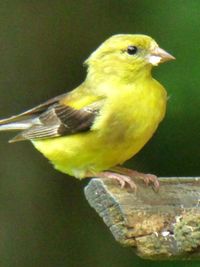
[126,56]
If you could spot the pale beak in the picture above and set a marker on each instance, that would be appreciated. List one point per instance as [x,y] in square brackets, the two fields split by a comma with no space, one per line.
[159,55]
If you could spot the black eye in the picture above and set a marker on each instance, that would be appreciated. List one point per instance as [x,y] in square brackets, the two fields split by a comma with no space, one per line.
[132,50]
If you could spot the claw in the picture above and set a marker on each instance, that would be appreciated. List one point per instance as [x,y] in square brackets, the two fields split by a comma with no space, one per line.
[124,177]
[151,178]
[147,178]
[121,178]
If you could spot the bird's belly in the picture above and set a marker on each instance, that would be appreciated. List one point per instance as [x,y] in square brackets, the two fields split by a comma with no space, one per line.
[125,132]
[99,150]
[126,139]
[113,139]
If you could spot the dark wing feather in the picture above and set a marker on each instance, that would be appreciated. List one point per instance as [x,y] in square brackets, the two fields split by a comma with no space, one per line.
[34,112]
[60,120]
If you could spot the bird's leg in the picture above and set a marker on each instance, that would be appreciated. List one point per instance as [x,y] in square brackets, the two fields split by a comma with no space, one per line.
[147,178]
[123,179]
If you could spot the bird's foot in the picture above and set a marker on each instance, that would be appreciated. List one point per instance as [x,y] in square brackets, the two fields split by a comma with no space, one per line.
[147,178]
[121,178]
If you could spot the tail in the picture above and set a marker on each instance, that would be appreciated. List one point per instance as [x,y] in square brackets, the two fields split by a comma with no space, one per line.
[15,126]
[7,125]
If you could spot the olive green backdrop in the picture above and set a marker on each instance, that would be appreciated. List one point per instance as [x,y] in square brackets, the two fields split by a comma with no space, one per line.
[44,217]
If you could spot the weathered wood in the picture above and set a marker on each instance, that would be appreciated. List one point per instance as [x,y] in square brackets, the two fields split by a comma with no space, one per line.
[163,225]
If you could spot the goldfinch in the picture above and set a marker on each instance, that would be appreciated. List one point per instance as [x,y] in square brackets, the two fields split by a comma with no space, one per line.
[95,128]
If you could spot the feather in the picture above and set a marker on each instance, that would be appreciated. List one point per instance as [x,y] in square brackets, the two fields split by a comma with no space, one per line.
[56,120]
[34,112]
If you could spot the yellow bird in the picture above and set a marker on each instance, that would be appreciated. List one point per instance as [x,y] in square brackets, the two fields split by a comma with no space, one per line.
[92,130]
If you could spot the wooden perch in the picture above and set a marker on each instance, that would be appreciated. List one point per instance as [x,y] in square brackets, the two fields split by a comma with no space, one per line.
[163,225]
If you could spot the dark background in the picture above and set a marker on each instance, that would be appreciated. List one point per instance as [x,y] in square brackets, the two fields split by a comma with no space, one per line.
[44,217]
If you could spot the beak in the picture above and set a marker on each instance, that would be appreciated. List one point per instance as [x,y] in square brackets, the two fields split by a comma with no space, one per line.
[159,55]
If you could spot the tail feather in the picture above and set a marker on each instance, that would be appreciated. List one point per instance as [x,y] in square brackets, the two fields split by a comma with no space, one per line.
[27,119]
[17,138]
[15,126]
[16,119]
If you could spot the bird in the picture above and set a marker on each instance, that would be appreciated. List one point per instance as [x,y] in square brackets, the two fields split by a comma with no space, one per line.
[93,129]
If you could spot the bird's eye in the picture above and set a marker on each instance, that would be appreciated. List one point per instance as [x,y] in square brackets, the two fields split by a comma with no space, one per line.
[132,50]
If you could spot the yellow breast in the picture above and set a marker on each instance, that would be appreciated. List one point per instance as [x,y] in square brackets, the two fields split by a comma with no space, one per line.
[131,116]
[126,122]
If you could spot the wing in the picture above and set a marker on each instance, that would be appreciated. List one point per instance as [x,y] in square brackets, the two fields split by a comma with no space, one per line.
[60,120]
[34,112]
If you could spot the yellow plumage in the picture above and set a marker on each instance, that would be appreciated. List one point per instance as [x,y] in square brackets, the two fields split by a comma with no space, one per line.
[130,106]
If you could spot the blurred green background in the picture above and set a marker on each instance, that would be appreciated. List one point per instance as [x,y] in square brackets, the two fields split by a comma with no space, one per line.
[44,217]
